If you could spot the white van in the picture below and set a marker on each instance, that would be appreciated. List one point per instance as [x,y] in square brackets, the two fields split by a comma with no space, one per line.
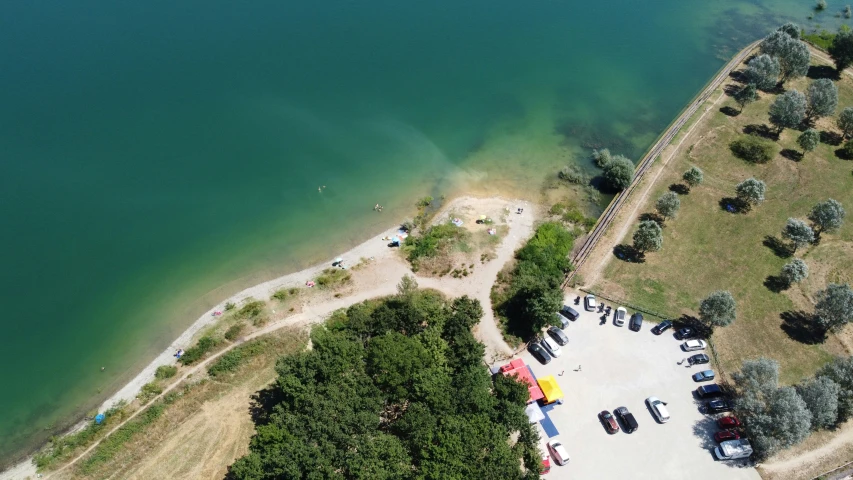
[658,409]
[733,449]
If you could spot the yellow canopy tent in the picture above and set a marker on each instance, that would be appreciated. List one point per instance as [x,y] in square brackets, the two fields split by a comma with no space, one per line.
[550,389]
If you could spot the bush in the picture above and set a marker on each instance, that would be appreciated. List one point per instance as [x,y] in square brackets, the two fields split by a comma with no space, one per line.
[230,306]
[234,331]
[252,309]
[234,358]
[166,371]
[149,391]
[279,295]
[619,173]
[195,353]
[332,277]
[432,241]
[753,149]
[425,202]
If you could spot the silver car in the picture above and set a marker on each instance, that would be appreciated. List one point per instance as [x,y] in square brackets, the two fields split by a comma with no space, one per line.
[589,302]
[693,345]
[551,345]
[619,316]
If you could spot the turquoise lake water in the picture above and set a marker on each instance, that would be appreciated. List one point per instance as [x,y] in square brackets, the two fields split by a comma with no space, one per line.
[156,157]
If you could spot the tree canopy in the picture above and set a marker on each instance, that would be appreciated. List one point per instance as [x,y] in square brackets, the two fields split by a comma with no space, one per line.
[788,110]
[763,71]
[668,204]
[753,149]
[841,49]
[840,371]
[795,271]
[718,309]
[751,191]
[821,397]
[648,237]
[834,307]
[619,172]
[392,389]
[746,95]
[793,55]
[601,157]
[822,96]
[694,176]
[808,140]
[798,232]
[827,216]
[845,121]
[792,29]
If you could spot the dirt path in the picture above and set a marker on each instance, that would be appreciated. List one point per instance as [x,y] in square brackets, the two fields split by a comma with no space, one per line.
[798,465]
[384,278]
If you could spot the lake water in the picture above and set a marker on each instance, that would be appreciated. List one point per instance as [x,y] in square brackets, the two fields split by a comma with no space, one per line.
[158,156]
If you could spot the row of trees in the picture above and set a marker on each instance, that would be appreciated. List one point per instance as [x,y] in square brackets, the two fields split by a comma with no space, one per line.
[392,389]
[777,417]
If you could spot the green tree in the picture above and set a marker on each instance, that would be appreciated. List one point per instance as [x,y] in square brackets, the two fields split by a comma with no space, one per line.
[808,140]
[619,173]
[763,71]
[798,232]
[793,55]
[693,177]
[746,95]
[759,377]
[834,307]
[753,149]
[841,49]
[648,237]
[718,309]
[794,272]
[822,96]
[791,29]
[668,204]
[601,157]
[827,216]
[821,397]
[840,371]
[393,359]
[788,110]
[751,191]
[845,122]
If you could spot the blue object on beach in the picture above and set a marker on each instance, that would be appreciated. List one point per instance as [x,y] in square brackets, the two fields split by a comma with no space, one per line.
[99,418]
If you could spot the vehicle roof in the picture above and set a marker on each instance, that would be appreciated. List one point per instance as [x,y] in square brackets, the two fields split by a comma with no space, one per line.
[551,343]
[652,399]
[621,309]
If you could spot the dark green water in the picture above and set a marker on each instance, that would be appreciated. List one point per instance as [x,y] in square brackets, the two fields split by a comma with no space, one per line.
[158,156]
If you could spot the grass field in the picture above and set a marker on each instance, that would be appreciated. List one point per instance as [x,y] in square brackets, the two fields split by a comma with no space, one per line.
[706,248]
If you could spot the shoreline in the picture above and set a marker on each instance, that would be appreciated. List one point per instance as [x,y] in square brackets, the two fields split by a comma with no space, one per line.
[372,248]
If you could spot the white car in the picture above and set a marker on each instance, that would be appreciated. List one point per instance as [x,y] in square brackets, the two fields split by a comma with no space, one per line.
[589,301]
[551,345]
[619,316]
[694,345]
[658,408]
[558,452]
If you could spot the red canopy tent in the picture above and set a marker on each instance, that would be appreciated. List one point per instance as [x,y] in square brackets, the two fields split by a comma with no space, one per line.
[522,371]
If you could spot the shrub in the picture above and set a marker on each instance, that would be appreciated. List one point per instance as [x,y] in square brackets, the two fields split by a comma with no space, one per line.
[753,149]
[234,331]
[574,174]
[432,241]
[231,360]
[166,371]
[425,202]
[619,173]
[332,277]
[820,5]
[149,391]
[230,306]
[601,157]
[252,309]
[195,353]
[280,295]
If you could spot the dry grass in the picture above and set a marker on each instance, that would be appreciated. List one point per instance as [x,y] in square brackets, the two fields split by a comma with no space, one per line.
[707,248]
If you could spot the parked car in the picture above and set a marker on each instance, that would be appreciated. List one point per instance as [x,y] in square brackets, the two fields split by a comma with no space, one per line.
[685,333]
[636,322]
[728,422]
[699,358]
[552,346]
[539,353]
[733,449]
[558,335]
[658,408]
[703,376]
[589,302]
[609,421]
[662,327]
[546,464]
[719,406]
[619,316]
[693,345]
[558,452]
[708,391]
[726,435]
[628,419]
[569,313]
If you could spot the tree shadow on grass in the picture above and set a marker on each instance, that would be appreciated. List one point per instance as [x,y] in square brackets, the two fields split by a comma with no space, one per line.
[775,283]
[831,138]
[628,253]
[762,131]
[653,217]
[679,188]
[737,76]
[843,154]
[802,327]
[791,154]
[702,330]
[734,205]
[822,71]
[780,248]
[263,402]
[729,111]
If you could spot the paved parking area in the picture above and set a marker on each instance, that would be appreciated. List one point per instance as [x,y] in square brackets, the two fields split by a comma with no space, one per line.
[619,367]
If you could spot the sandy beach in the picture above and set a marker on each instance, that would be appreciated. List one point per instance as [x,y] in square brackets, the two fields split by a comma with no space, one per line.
[378,277]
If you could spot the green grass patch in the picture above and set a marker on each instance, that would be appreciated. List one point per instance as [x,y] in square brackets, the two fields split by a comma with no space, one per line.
[432,242]
[230,361]
[333,277]
[821,40]
[234,331]
[113,444]
[165,371]
[195,353]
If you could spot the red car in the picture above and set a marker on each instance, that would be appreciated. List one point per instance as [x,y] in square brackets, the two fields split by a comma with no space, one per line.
[609,421]
[546,464]
[728,422]
[724,435]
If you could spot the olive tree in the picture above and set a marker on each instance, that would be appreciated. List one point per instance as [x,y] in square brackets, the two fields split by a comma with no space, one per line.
[763,71]
[751,191]
[840,371]
[788,110]
[822,98]
[693,177]
[718,309]
[834,307]
[758,377]
[845,122]
[794,272]
[827,216]
[746,95]
[648,237]
[619,172]
[793,54]
[821,397]
[798,232]
[792,417]
[668,204]
[808,140]
[841,49]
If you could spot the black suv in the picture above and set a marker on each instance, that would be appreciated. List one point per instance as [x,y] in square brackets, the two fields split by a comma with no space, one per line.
[636,322]
[708,391]
[539,353]
[628,420]
[685,333]
[662,327]
[719,406]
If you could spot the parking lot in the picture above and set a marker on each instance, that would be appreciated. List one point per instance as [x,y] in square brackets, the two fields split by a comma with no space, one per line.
[604,367]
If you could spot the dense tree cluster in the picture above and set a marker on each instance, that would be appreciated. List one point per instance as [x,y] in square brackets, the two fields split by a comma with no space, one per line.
[763,72]
[392,389]
[793,54]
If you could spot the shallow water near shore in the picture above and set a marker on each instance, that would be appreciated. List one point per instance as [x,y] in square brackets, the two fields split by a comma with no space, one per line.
[157,158]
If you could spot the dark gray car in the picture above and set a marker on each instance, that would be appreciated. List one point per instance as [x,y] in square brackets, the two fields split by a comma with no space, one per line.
[539,353]
[636,322]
